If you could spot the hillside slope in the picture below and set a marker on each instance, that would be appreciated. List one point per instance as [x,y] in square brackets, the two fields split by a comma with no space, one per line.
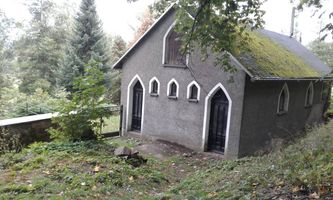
[302,170]
[89,170]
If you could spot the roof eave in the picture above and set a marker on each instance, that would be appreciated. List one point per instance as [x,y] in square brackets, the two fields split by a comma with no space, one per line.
[291,78]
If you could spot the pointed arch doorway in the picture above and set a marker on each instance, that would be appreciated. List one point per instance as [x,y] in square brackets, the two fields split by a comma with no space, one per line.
[216,123]
[137,106]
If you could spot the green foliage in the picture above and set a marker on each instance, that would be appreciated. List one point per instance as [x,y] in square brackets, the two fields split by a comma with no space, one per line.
[16,104]
[89,170]
[302,169]
[111,124]
[39,52]
[9,141]
[79,118]
[113,93]
[323,50]
[87,42]
[76,170]
[159,7]
[6,53]
[226,21]
[117,49]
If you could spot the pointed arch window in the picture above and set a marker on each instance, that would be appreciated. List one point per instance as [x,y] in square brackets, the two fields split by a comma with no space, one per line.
[154,87]
[173,89]
[172,54]
[193,92]
[309,95]
[283,101]
[325,91]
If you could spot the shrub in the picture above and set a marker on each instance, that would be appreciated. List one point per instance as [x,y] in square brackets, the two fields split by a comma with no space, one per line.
[9,141]
[79,119]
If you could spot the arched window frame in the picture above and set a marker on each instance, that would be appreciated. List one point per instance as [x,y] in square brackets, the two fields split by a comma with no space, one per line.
[284,89]
[189,90]
[165,46]
[169,89]
[129,105]
[151,87]
[309,99]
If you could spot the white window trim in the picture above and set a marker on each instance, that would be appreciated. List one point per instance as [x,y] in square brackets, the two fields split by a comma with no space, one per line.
[151,85]
[164,45]
[189,90]
[205,130]
[311,88]
[129,105]
[168,87]
[284,88]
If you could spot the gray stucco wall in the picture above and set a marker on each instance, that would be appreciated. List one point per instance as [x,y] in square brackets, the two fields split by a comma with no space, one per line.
[179,121]
[261,123]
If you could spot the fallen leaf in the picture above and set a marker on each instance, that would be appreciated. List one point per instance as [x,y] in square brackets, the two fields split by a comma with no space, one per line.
[314,195]
[281,183]
[46,172]
[94,187]
[295,189]
[130,178]
[211,194]
[96,169]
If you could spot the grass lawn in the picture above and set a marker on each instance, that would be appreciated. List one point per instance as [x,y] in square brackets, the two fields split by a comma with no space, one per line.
[89,170]
[111,124]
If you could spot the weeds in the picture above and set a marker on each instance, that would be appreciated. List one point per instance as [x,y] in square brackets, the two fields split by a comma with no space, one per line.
[9,141]
[89,170]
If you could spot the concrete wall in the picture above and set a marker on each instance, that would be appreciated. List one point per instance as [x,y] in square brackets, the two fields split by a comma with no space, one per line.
[179,121]
[29,129]
[261,123]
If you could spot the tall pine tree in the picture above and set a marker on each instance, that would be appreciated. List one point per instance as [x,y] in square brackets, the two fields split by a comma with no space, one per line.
[41,48]
[87,43]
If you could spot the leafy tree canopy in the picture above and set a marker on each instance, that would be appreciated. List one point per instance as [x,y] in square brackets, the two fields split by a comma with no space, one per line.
[41,47]
[323,50]
[117,49]
[6,53]
[79,119]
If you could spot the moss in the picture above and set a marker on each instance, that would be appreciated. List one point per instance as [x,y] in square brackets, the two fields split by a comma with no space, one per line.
[266,58]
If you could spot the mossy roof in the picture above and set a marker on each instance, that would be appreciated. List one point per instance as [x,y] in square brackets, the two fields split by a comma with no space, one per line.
[274,56]
[271,56]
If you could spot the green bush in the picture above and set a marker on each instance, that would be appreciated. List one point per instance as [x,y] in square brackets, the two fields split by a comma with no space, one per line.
[79,119]
[9,141]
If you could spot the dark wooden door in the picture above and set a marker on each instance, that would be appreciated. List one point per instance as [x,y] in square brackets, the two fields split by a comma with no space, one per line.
[218,122]
[137,107]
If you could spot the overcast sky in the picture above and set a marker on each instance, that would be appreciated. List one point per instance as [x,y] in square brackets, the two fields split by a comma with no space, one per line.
[120,17]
